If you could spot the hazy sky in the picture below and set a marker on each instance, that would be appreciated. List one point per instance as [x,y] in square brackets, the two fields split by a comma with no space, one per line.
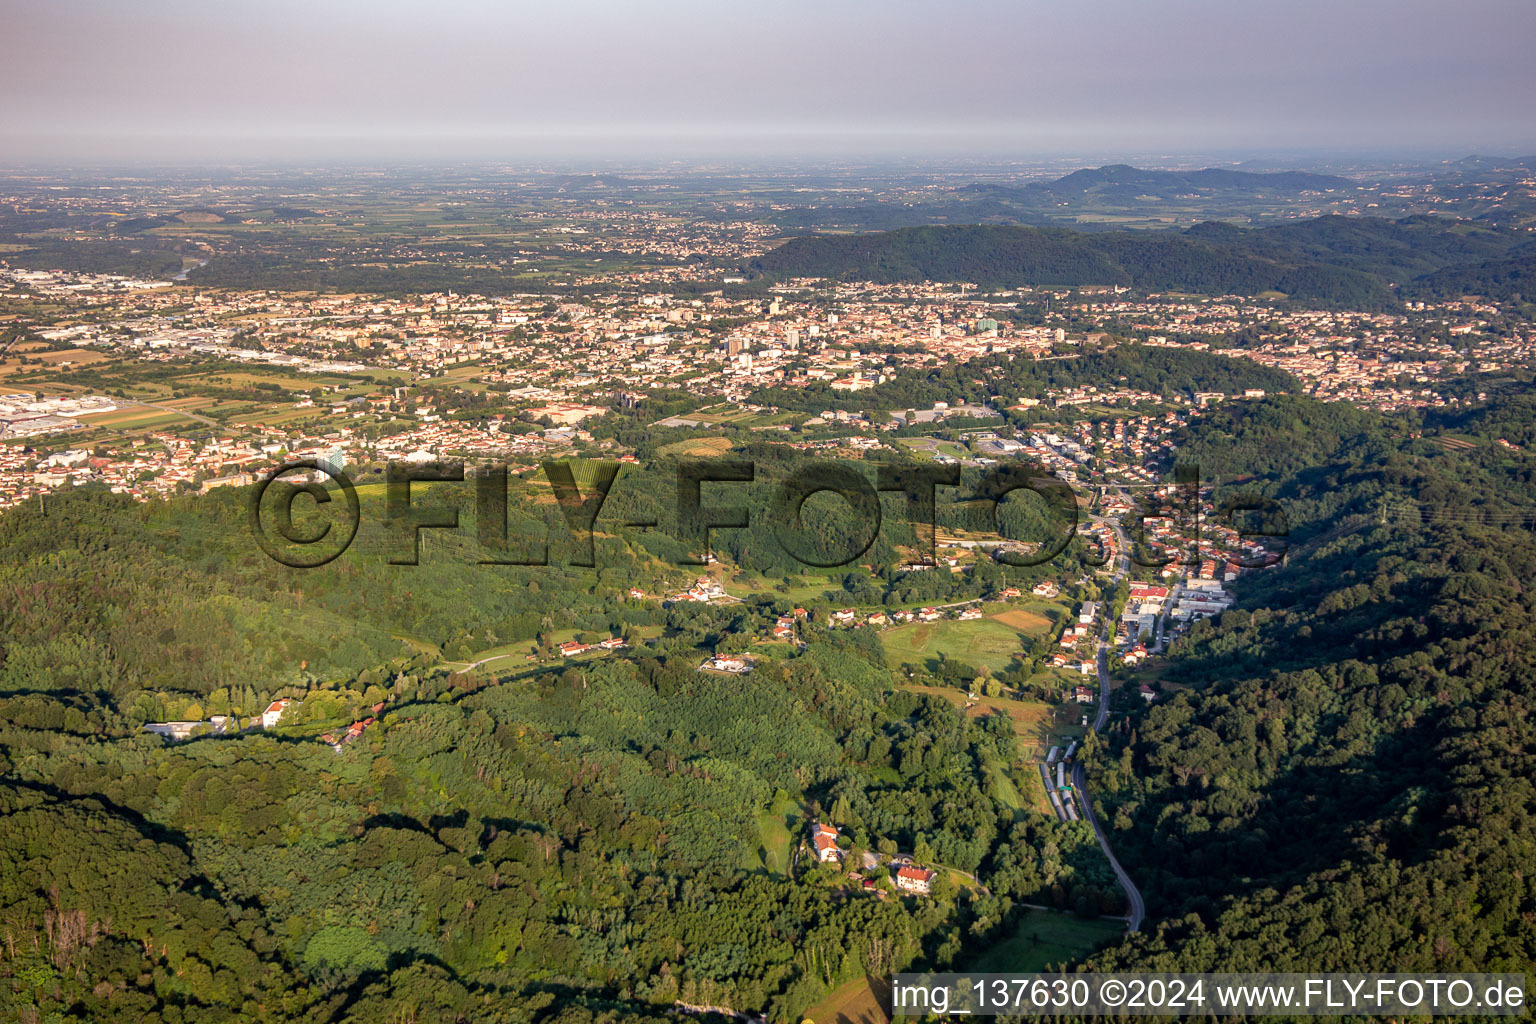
[218,79]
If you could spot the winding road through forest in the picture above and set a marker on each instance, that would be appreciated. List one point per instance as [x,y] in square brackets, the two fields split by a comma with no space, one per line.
[1138,907]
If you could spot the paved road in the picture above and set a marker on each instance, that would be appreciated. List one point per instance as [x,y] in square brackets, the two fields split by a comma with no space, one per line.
[1079,778]
[1161,628]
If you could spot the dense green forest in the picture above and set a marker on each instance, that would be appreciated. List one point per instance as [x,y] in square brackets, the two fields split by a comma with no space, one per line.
[1511,278]
[1353,262]
[90,257]
[494,853]
[993,256]
[112,596]
[541,840]
[1338,774]
[1341,776]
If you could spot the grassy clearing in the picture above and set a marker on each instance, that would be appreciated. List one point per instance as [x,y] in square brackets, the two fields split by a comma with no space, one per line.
[1032,720]
[984,643]
[776,834]
[505,656]
[1004,790]
[988,643]
[493,656]
[716,415]
[1034,790]
[1045,937]
[800,590]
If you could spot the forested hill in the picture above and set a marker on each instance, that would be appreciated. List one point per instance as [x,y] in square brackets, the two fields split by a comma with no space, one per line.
[995,379]
[1123,183]
[1341,773]
[1010,256]
[1511,277]
[1326,261]
[535,839]
[1350,753]
[1116,188]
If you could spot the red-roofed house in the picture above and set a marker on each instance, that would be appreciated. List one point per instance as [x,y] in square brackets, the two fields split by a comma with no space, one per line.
[918,880]
[274,712]
[824,838]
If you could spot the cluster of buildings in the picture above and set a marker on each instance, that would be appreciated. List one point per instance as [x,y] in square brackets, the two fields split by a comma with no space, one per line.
[850,618]
[705,590]
[1143,608]
[735,665]
[906,876]
[1078,647]
[1378,360]
[218,725]
[161,462]
[572,648]
[153,465]
[561,364]
[65,284]
[784,626]
[23,414]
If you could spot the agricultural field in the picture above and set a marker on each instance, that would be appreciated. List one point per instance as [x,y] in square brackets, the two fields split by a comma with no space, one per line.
[71,357]
[136,418]
[861,1001]
[61,362]
[1008,794]
[696,448]
[1034,620]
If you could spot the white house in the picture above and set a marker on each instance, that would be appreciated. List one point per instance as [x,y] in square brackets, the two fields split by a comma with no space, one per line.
[918,880]
[274,712]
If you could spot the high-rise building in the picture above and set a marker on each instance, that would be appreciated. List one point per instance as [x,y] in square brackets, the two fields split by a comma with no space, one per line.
[332,461]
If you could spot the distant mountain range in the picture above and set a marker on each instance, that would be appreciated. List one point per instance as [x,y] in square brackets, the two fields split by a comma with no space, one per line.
[1493,163]
[1364,263]
[1115,188]
[1102,198]
[1121,183]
